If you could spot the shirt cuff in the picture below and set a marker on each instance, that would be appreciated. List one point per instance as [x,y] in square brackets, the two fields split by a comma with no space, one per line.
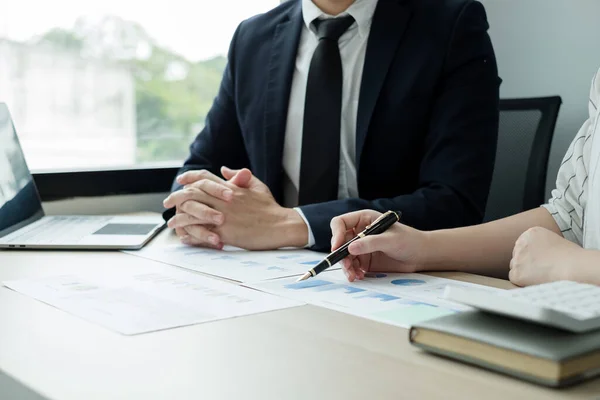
[311,237]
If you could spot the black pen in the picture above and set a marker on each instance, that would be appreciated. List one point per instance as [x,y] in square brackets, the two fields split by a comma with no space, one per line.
[378,226]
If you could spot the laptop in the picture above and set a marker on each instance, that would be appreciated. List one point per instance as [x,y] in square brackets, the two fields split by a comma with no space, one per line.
[23,224]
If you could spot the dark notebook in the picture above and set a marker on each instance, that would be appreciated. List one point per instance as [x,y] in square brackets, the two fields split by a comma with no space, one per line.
[528,351]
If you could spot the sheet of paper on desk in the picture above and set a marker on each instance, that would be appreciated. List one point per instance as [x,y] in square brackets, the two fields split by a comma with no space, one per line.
[233,263]
[144,302]
[396,299]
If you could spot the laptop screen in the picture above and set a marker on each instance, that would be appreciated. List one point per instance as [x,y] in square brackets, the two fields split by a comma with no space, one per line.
[19,200]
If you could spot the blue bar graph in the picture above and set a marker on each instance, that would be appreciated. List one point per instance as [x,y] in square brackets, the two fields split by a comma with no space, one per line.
[408,282]
[289,257]
[310,283]
[380,296]
[225,257]
[346,288]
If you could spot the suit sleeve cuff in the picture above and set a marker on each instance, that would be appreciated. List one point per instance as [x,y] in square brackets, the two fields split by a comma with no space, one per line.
[311,237]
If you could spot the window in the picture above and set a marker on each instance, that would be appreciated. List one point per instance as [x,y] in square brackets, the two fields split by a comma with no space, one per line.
[113,83]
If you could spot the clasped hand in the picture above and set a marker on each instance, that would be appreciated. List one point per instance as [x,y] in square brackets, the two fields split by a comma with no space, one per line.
[211,211]
[239,211]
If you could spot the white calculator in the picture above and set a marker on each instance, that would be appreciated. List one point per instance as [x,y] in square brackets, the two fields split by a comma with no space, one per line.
[568,305]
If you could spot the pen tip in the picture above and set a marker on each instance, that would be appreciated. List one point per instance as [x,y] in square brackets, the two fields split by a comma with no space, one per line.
[304,277]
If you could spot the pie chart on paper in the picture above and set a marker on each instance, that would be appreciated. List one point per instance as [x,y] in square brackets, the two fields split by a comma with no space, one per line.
[408,282]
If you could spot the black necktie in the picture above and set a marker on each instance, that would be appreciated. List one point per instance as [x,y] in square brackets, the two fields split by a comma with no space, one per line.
[320,162]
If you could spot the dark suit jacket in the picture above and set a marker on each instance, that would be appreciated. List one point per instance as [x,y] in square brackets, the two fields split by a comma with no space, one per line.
[427,116]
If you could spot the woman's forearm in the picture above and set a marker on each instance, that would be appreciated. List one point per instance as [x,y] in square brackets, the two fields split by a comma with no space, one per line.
[485,249]
[585,268]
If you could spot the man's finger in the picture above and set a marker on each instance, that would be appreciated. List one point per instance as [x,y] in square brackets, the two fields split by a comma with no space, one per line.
[194,176]
[216,190]
[228,173]
[176,199]
[181,233]
[239,177]
[182,220]
[203,213]
[191,241]
[200,236]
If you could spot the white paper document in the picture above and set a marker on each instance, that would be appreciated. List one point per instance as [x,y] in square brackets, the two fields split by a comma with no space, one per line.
[144,302]
[233,263]
[396,299]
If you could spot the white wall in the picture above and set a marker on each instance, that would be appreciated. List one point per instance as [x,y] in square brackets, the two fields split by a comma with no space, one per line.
[548,47]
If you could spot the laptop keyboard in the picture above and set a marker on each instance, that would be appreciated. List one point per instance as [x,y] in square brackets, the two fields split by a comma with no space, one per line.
[57,230]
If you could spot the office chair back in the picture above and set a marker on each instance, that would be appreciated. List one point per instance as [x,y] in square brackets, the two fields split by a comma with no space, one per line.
[524,140]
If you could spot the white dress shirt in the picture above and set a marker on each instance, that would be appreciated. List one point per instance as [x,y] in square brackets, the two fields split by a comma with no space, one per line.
[353,47]
[575,203]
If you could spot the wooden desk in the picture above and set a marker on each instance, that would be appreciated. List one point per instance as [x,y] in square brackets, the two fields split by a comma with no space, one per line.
[301,353]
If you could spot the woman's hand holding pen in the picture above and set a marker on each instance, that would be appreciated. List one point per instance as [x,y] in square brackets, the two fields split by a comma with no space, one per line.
[399,249]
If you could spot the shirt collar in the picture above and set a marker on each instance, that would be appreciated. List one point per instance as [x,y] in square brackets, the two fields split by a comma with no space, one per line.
[361,10]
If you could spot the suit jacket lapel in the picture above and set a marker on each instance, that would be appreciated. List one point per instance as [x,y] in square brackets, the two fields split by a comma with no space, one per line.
[389,23]
[280,75]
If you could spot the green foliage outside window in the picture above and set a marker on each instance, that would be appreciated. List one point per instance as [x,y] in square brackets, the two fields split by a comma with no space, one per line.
[173,95]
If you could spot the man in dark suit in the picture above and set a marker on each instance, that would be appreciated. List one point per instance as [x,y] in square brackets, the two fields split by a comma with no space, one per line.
[392,104]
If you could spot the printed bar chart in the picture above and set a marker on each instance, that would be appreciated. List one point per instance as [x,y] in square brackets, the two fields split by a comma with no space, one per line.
[235,264]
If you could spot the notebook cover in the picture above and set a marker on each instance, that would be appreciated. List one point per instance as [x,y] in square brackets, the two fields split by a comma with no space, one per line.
[516,335]
[520,336]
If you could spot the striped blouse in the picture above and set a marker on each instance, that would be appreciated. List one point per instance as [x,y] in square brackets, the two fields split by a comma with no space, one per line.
[575,203]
